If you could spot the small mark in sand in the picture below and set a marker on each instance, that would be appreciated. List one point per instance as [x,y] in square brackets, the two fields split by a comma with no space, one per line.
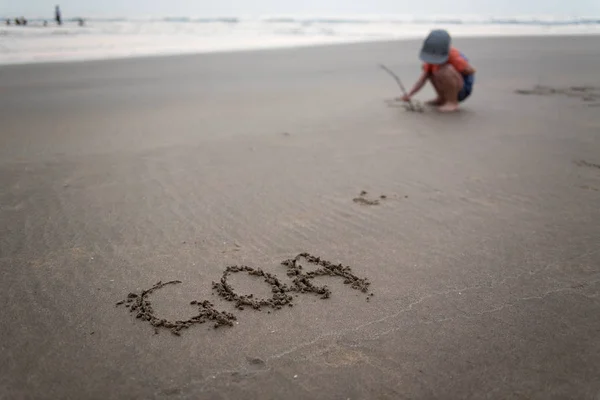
[286,134]
[362,200]
[236,247]
[585,93]
[579,88]
[578,286]
[91,333]
[583,163]
[237,377]
[365,202]
[256,363]
[172,391]
[589,188]
[413,105]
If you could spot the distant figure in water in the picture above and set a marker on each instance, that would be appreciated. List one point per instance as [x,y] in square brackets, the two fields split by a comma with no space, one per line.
[57,15]
[7,21]
[81,21]
[45,23]
[447,69]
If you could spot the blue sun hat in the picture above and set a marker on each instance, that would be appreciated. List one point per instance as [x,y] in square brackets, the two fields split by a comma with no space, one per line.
[436,47]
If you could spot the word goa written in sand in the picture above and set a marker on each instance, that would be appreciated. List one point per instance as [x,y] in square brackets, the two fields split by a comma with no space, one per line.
[301,282]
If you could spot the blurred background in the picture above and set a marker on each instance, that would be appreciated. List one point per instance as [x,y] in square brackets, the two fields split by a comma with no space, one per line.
[97,29]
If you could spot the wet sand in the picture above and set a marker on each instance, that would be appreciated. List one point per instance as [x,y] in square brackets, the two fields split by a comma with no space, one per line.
[478,231]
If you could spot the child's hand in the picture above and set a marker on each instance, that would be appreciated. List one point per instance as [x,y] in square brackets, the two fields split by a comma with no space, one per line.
[469,70]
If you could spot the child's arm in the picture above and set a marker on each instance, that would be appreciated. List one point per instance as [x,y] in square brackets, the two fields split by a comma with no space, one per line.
[418,86]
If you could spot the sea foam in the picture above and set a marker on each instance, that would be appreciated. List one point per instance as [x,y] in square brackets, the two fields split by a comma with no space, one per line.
[102,38]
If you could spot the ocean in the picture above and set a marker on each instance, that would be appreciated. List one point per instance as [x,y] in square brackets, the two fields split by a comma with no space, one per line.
[102,38]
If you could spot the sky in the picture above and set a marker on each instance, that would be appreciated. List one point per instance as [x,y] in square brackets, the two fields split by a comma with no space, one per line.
[127,8]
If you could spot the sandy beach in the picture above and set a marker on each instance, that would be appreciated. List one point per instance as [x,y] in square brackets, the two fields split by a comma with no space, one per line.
[483,250]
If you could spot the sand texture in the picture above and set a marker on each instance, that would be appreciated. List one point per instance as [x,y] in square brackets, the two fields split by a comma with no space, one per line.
[329,244]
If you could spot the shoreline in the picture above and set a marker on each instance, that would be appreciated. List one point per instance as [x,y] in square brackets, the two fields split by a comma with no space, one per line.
[334,44]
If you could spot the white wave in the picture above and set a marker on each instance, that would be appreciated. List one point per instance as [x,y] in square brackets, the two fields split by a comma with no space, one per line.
[123,37]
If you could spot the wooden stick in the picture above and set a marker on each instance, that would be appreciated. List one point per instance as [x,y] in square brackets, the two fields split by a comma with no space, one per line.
[389,71]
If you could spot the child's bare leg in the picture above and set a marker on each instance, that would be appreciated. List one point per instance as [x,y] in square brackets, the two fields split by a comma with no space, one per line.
[439,100]
[448,82]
